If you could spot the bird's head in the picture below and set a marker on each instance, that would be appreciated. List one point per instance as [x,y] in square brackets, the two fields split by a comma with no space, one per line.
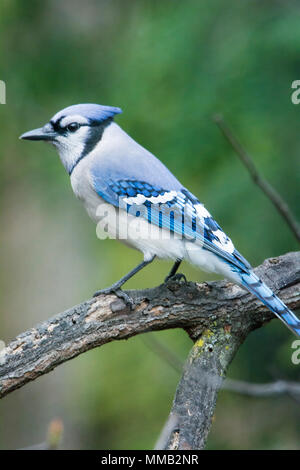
[75,131]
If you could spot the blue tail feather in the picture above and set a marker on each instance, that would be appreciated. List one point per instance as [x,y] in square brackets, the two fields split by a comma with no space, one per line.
[254,285]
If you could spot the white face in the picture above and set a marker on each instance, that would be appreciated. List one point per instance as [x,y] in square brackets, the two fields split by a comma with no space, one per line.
[73,132]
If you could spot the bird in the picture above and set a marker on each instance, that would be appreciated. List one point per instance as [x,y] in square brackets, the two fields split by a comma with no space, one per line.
[136,199]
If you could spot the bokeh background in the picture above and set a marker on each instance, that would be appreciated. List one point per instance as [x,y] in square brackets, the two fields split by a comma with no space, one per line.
[170,65]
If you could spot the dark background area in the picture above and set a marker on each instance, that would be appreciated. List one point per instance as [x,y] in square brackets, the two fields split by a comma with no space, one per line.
[170,66]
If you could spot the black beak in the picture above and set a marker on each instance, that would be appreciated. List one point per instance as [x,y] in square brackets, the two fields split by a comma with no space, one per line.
[43,133]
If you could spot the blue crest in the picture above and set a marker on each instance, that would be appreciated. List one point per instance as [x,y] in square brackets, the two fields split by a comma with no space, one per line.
[95,113]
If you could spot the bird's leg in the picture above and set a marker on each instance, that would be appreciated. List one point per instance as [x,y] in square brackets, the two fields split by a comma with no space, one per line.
[172,273]
[116,287]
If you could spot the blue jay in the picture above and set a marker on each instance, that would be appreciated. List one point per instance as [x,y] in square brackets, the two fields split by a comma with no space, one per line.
[108,168]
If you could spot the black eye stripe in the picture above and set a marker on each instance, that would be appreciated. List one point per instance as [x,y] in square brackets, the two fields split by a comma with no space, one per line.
[62,130]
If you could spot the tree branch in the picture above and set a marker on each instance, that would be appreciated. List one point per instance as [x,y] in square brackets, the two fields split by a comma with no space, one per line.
[173,436]
[217,316]
[264,185]
[197,392]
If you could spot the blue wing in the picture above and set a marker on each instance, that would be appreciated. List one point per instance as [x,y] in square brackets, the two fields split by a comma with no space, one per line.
[170,206]
[175,210]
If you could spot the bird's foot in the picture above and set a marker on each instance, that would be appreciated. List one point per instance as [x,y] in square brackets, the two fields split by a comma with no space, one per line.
[176,277]
[119,293]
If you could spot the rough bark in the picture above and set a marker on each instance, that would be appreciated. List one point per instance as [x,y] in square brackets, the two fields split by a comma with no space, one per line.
[217,316]
[197,392]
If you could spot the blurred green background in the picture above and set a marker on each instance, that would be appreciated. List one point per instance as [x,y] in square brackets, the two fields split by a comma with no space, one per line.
[170,65]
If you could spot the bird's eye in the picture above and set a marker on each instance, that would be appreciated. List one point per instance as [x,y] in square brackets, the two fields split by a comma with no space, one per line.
[73,126]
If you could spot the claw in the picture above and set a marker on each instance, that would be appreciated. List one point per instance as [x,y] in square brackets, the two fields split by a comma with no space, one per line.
[106,291]
[176,277]
[127,299]
[119,293]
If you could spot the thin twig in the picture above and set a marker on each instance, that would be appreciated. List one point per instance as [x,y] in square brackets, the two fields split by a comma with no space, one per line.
[264,185]
[279,387]
[163,352]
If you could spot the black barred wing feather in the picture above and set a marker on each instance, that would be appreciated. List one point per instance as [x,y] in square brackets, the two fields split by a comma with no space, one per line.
[179,212]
